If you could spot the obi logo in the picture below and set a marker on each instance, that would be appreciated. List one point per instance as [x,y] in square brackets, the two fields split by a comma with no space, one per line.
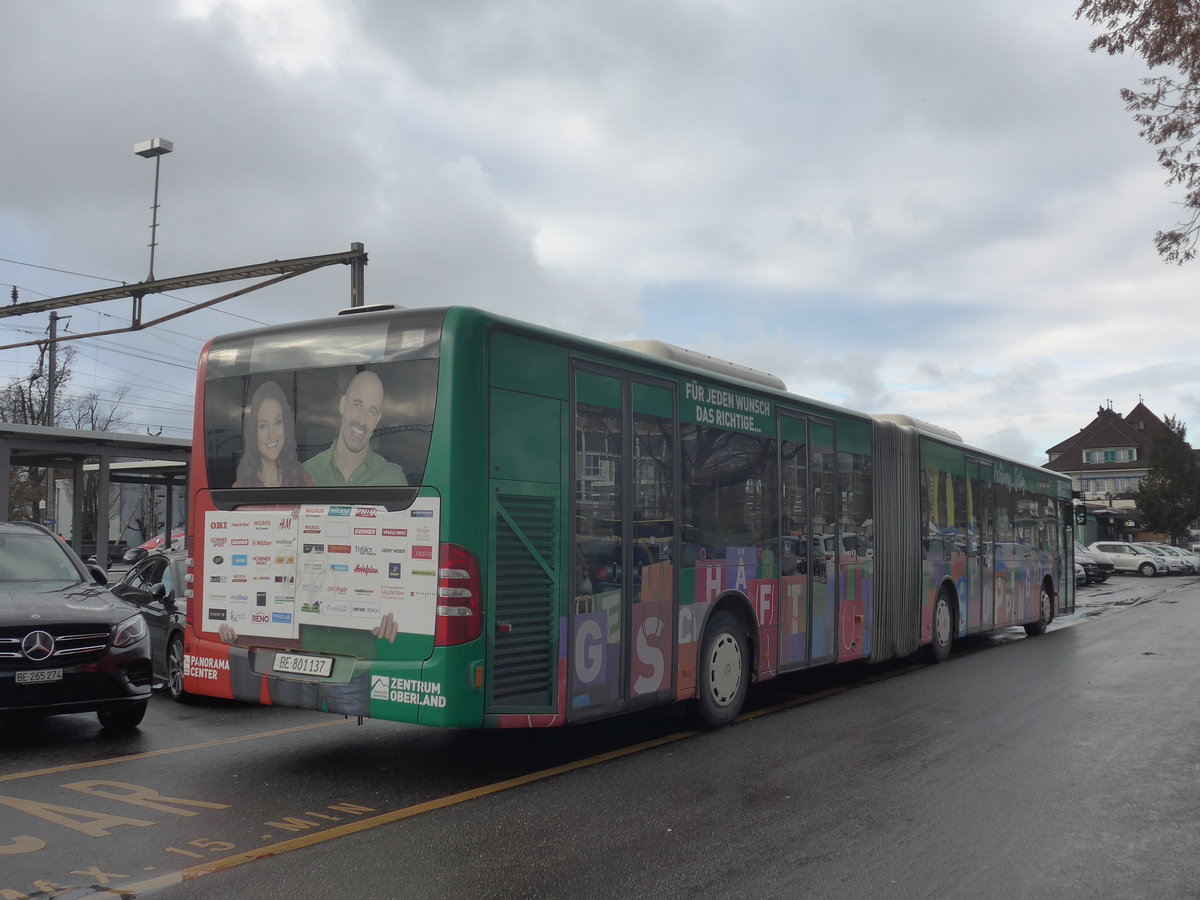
[240,559]
[218,560]
[363,569]
[218,524]
[216,615]
[422,553]
[393,570]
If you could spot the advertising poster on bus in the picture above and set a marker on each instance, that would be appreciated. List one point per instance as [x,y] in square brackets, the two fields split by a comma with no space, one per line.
[270,572]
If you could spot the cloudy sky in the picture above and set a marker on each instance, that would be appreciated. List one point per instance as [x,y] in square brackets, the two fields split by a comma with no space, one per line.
[937,208]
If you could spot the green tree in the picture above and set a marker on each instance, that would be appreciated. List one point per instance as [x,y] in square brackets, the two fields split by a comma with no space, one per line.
[1169,496]
[1166,34]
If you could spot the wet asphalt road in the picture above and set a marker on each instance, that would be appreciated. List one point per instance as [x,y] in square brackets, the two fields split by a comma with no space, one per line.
[1064,765]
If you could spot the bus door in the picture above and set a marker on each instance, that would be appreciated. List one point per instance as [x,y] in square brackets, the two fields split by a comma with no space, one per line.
[981,542]
[621,623]
[827,569]
[802,567]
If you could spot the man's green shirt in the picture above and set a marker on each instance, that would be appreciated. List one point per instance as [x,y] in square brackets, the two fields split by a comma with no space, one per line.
[372,470]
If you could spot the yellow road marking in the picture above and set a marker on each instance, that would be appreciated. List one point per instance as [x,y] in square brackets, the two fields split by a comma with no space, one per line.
[298,843]
[75,767]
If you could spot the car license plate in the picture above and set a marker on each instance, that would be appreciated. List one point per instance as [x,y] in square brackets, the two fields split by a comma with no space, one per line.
[39,676]
[300,664]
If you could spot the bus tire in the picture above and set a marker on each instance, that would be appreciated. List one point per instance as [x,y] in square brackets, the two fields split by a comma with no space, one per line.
[943,628]
[724,671]
[1045,614]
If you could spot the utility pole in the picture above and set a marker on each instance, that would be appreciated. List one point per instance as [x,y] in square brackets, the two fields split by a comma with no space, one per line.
[51,386]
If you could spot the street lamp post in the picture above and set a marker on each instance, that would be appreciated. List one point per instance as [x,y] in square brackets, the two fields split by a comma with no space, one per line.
[155,148]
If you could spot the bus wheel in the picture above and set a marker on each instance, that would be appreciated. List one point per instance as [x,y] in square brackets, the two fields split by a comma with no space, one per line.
[943,628]
[1045,614]
[724,675]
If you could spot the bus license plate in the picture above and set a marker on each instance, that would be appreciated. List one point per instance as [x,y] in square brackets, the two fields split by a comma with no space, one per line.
[300,664]
[39,676]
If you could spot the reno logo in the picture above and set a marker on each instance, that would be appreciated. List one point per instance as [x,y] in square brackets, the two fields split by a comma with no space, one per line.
[422,553]
[362,569]
[260,618]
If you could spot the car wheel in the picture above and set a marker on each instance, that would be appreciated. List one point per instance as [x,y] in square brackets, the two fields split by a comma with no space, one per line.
[1148,569]
[125,717]
[175,669]
[943,628]
[724,671]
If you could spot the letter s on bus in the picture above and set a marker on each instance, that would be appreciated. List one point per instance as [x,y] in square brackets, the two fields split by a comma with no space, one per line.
[589,651]
[651,656]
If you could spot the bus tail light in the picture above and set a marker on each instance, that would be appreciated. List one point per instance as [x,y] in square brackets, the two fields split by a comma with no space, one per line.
[459,597]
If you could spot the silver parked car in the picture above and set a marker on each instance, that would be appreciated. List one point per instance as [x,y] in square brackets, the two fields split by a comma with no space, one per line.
[1179,560]
[1128,557]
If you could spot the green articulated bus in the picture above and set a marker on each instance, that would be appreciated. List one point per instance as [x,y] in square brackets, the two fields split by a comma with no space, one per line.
[451,518]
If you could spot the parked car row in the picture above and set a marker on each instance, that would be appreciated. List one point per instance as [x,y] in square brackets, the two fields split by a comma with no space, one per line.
[70,644]
[1144,557]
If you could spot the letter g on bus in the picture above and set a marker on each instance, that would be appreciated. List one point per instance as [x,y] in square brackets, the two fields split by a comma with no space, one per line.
[589,650]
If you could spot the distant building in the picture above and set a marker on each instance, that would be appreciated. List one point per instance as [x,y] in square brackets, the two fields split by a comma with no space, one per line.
[1108,459]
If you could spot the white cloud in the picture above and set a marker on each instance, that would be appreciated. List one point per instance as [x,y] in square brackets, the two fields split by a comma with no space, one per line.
[934,209]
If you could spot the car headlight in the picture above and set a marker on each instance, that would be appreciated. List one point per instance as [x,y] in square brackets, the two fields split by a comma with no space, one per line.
[130,631]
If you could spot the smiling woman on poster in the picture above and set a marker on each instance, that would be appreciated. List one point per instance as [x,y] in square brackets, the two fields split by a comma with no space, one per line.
[269,442]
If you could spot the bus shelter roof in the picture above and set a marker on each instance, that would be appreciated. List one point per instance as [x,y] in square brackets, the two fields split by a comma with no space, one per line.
[114,456]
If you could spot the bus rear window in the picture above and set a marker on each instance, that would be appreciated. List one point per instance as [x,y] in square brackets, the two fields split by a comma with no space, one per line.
[336,404]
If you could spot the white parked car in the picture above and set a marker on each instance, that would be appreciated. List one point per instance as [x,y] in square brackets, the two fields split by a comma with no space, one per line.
[1191,562]
[1132,558]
